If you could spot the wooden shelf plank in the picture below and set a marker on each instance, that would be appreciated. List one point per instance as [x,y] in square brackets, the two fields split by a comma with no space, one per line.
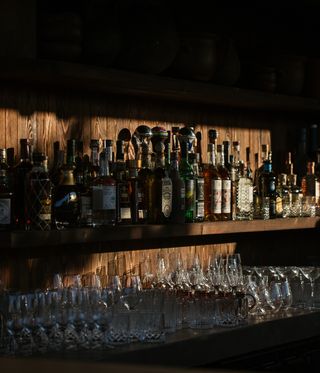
[130,237]
[110,81]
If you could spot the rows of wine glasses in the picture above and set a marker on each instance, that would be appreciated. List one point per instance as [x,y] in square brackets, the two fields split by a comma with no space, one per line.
[303,283]
[95,312]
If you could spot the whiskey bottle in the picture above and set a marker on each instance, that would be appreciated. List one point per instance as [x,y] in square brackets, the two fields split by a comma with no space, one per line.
[260,169]
[39,194]
[244,195]
[141,139]
[225,185]
[310,182]
[187,174]
[159,183]
[212,187]
[104,191]
[267,186]
[66,195]
[120,173]
[133,189]
[178,191]
[198,173]
[6,195]
[20,172]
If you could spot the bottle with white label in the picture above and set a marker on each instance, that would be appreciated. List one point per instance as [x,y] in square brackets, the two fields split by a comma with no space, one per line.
[225,185]
[104,193]
[244,195]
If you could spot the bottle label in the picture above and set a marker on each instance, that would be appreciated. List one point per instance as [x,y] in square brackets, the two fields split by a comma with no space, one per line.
[104,197]
[166,196]
[200,209]
[317,189]
[216,196]
[5,211]
[200,189]
[125,213]
[85,206]
[226,197]
[190,194]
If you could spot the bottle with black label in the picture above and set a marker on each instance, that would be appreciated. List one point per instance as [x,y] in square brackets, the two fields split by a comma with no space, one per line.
[225,185]
[6,195]
[178,191]
[267,183]
[198,174]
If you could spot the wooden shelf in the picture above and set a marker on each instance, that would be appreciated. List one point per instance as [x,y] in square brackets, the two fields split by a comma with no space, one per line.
[131,237]
[96,79]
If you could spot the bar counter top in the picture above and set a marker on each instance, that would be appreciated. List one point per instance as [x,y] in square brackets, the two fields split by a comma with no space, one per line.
[188,348]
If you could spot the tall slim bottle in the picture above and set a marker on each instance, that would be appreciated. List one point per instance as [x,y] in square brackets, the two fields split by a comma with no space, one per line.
[225,185]
[178,191]
[212,187]
[187,174]
[20,172]
[268,186]
[198,173]
[6,195]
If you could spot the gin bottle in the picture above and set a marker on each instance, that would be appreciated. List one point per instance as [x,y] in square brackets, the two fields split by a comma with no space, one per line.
[244,195]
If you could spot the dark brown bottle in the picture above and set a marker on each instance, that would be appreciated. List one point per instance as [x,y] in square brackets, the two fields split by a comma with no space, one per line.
[21,170]
[6,195]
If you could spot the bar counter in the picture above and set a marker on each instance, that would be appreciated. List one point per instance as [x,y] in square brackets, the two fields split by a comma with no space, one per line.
[295,334]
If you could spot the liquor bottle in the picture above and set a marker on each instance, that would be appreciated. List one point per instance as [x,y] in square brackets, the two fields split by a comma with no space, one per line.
[142,136]
[260,169]
[20,172]
[187,174]
[212,187]
[282,196]
[6,195]
[159,183]
[104,191]
[226,153]
[198,173]
[178,191]
[310,182]
[39,194]
[244,195]
[267,186]
[66,195]
[120,174]
[94,159]
[248,164]
[133,189]
[295,195]
[199,148]
[225,186]
[56,173]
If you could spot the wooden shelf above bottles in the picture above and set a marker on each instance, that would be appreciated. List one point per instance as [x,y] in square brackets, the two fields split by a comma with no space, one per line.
[132,237]
[116,82]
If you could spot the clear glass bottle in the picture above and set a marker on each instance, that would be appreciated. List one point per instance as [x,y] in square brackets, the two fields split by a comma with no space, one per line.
[6,195]
[178,191]
[212,187]
[267,186]
[66,195]
[39,194]
[244,195]
[225,185]
[120,173]
[104,191]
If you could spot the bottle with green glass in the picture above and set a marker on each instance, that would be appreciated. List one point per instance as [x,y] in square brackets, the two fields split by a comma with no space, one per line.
[187,174]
